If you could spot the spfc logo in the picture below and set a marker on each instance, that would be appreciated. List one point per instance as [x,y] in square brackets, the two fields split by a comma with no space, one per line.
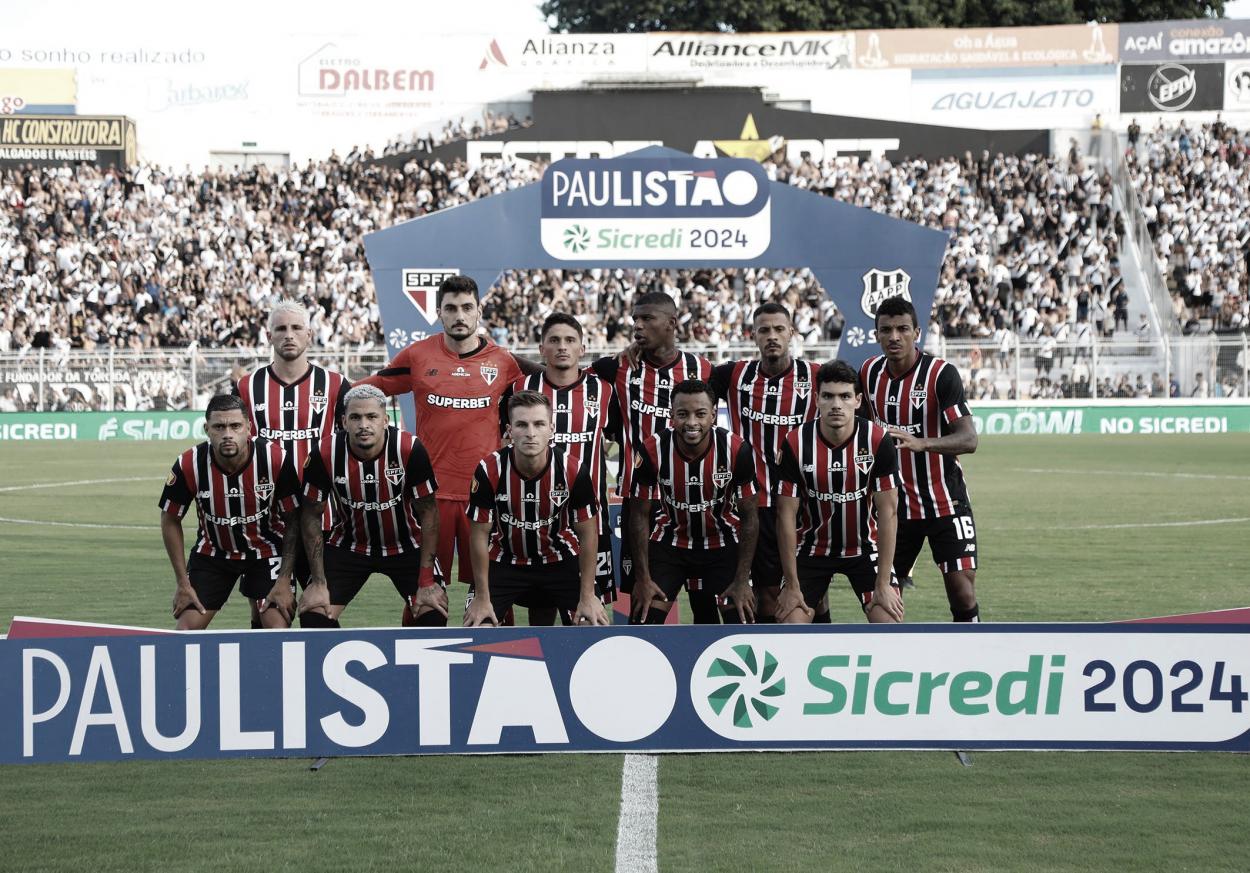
[802,387]
[882,284]
[559,495]
[318,403]
[863,462]
[721,477]
[490,374]
[592,408]
[918,397]
[421,289]
[264,488]
[395,475]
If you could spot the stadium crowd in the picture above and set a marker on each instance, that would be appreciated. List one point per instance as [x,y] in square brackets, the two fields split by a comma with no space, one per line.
[1194,187]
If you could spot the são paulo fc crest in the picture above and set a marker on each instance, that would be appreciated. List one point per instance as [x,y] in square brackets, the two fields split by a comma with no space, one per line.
[802,387]
[592,408]
[721,477]
[863,462]
[421,288]
[490,374]
[318,402]
[918,397]
[882,284]
[559,495]
[264,488]
[395,475]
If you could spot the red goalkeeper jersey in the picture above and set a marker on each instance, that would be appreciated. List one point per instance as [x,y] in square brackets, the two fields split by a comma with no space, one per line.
[456,398]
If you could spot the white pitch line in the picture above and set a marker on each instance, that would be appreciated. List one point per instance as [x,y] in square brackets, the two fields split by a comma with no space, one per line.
[640,804]
[1129,473]
[38,523]
[37,486]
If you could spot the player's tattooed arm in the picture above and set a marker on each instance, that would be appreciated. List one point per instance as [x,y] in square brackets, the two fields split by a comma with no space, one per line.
[886,596]
[961,441]
[427,516]
[748,535]
[316,596]
[645,590]
[281,597]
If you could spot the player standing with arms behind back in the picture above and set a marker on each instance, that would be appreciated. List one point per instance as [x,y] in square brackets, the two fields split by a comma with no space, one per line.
[920,399]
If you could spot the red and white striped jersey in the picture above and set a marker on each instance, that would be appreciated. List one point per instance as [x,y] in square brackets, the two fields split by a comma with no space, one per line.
[238,513]
[299,414]
[643,395]
[834,485]
[373,499]
[764,409]
[925,401]
[581,413]
[533,517]
[698,497]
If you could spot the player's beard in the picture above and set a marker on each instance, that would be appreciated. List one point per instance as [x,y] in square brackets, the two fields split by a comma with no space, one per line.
[290,353]
[461,331]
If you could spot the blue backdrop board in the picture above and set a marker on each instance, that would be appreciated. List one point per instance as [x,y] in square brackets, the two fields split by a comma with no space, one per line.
[656,208]
[755,687]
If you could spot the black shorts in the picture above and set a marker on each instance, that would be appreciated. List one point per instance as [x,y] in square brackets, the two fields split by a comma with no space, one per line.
[347,572]
[704,569]
[551,585]
[627,552]
[952,541]
[766,565]
[815,574]
[605,566]
[213,578]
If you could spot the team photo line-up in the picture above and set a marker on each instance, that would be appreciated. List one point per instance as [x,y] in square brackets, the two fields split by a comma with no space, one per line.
[304,488]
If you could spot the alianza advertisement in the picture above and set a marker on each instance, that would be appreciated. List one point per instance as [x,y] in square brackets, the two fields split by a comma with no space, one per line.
[522,690]
[1003,418]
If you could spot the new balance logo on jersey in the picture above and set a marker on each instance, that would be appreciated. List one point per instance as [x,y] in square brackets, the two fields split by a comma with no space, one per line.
[259,407]
[490,374]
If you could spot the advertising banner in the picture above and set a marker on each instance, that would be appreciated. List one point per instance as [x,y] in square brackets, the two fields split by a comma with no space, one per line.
[38,92]
[1196,40]
[101,426]
[1067,44]
[1171,87]
[67,139]
[1237,86]
[1005,418]
[642,689]
[1014,97]
[790,52]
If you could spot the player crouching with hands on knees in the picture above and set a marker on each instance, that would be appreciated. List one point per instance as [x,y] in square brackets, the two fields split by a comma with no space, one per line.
[533,535]
[704,479]
[837,505]
[382,486]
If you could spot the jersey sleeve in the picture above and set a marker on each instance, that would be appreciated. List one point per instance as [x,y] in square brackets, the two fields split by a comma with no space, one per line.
[176,497]
[722,376]
[583,504]
[950,391]
[286,493]
[481,497]
[395,377]
[340,405]
[790,478]
[744,476]
[613,426]
[419,476]
[884,473]
[644,480]
[317,485]
[607,367]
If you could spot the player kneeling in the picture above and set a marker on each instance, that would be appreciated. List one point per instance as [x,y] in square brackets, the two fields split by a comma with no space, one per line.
[704,479]
[382,486]
[837,504]
[533,532]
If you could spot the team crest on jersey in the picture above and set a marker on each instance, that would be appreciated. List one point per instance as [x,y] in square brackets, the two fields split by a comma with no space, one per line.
[264,488]
[880,285]
[559,495]
[863,461]
[592,408]
[721,477]
[802,387]
[918,397]
[395,475]
[490,374]
[318,402]
[172,478]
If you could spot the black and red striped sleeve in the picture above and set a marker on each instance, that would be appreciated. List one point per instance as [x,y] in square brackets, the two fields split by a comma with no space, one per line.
[722,379]
[884,473]
[481,506]
[176,498]
[607,367]
[287,492]
[419,476]
[950,392]
[744,476]
[790,478]
[317,485]
[583,502]
[644,481]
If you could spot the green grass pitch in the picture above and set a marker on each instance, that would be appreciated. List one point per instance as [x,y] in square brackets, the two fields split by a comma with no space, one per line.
[1071,529]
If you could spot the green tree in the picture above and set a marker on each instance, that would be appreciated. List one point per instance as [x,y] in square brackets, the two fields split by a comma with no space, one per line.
[641,16]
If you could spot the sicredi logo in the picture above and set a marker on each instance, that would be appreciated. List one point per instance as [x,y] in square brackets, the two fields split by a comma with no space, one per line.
[655,209]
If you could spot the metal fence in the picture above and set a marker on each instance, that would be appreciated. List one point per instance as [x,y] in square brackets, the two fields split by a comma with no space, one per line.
[111,380]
